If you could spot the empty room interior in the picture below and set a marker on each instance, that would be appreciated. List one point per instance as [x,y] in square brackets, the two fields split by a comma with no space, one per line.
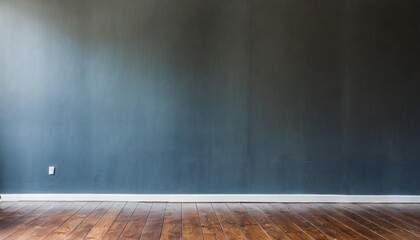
[210,119]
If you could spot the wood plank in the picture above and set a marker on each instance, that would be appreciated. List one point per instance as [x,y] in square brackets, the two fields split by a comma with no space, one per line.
[7,211]
[172,223]
[229,224]
[135,225]
[368,224]
[32,226]
[5,205]
[306,226]
[387,209]
[191,226]
[395,229]
[118,220]
[212,230]
[326,224]
[89,222]
[102,226]
[55,221]
[153,227]
[349,223]
[411,207]
[292,230]
[274,231]
[69,225]
[26,219]
[393,220]
[248,224]
[119,224]
[407,210]
[16,212]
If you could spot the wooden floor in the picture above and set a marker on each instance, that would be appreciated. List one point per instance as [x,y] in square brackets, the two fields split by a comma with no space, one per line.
[121,220]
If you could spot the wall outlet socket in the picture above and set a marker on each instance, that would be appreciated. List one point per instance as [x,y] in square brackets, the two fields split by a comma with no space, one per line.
[51,170]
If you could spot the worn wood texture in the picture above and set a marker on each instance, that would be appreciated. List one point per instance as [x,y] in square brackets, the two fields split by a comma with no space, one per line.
[254,221]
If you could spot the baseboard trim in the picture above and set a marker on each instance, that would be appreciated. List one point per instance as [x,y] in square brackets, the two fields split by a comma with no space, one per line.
[215,198]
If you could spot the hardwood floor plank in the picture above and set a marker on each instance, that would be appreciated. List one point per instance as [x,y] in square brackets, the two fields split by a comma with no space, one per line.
[13,209]
[135,225]
[295,218]
[153,227]
[229,224]
[411,207]
[25,219]
[56,221]
[218,221]
[368,224]
[89,222]
[292,230]
[407,210]
[34,225]
[70,224]
[191,226]
[350,223]
[212,229]
[5,205]
[379,221]
[102,226]
[387,209]
[326,224]
[120,222]
[172,223]
[274,231]
[393,220]
[15,213]
[248,224]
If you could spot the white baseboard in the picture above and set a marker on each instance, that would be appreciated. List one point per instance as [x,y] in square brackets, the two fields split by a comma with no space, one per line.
[215,198]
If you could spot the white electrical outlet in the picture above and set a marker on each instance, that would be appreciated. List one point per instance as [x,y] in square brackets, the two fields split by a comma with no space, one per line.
[51,170]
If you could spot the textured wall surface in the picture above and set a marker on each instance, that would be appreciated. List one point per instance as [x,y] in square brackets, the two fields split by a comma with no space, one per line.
[210,96]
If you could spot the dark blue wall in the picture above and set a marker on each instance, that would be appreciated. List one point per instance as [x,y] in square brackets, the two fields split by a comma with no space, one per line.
[210,96]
